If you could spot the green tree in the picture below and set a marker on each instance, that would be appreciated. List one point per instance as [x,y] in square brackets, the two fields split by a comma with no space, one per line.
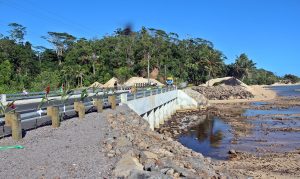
[45,78]
[289,78]
[17,32]
[62,41]
[5,72]
[243,66]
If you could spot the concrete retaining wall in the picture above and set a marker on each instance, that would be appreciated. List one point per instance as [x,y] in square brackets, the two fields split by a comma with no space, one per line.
[184,101]
[156,109]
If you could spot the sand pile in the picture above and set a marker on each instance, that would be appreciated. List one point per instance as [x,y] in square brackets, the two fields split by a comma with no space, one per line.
[110,83]
[139,80]
[96,85]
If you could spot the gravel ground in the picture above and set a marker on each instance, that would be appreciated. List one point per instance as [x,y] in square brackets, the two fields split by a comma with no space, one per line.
[73,150]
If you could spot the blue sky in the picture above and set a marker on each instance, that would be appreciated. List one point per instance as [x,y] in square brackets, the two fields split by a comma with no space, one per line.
[268,31]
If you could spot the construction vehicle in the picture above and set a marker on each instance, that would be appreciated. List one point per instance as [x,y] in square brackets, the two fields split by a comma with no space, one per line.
[170,81]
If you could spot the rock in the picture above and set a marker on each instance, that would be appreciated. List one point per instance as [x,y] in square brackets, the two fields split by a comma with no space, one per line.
[176,175]
[122,142]
[231,151]
[137,174]
[223,92]
[126,165]
[143,145]
[175,165]
[130,136]
[118,152]
[108,147]
[111,154]
[164,152]
[149,165]
[149,155]
[170,172]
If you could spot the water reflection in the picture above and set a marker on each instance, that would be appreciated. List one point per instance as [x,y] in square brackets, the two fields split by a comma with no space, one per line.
[207,131]
[209,137]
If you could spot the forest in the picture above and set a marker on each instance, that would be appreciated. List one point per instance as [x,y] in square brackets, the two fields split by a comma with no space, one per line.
[78,62]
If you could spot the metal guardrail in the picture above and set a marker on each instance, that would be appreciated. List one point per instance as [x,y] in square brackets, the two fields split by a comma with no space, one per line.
[32,119]
[150,92]
[34,95]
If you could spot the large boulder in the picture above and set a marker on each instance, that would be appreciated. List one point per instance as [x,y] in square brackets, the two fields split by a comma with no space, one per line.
[127,164]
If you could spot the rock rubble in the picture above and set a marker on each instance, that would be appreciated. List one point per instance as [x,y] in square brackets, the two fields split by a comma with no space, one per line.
[143,153]
[223,92]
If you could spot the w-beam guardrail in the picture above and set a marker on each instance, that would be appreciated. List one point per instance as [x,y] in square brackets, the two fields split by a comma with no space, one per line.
[34,95]
[34,118]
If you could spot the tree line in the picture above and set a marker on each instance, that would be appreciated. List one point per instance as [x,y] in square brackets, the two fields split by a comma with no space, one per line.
[77,62]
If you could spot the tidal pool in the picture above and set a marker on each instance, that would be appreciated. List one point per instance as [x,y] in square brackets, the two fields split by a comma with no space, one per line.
[214,137]
[211,138]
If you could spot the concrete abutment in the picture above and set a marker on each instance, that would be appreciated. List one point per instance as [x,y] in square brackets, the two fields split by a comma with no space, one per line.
[157,109]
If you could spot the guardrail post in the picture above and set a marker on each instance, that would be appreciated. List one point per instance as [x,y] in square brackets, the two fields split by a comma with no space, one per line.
[3,98]
[76,106]
[79,107]
[112,101]
[53,113]
[15,123]
[99,105]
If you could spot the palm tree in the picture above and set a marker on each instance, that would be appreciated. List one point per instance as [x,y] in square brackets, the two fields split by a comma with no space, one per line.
[211,60]
[80,76]
[243,66]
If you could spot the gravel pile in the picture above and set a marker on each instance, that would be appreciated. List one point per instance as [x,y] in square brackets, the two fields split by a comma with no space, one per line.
[223,92]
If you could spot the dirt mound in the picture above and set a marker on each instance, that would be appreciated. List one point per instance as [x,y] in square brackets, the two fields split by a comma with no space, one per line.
[224,92]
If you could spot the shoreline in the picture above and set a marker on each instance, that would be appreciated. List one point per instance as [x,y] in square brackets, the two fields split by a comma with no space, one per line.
[278,84]
[267,160]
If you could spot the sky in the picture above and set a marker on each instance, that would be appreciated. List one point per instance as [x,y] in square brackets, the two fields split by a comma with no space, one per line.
[268,31]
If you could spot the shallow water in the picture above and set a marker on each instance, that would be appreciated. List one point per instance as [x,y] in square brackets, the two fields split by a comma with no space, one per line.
[286,90]
[213,137]
[255,112]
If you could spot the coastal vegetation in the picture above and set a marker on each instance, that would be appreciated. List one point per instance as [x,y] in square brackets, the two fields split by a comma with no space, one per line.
[76,62]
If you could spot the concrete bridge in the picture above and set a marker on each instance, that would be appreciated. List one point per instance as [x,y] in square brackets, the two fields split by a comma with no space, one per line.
[157,106]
